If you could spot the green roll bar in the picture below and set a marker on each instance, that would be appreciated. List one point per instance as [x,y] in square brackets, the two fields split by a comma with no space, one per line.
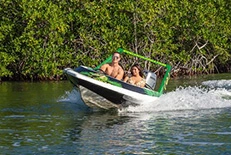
[164,81]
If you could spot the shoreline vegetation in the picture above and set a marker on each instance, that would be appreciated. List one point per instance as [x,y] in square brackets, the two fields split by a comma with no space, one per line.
[38,39]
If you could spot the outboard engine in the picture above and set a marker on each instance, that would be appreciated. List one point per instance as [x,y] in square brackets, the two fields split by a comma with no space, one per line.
[150,79]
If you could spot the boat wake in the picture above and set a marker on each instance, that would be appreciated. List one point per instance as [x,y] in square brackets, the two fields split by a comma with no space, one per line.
[188,98]
[218,84]
[218,95]
[74,97]
[94,101]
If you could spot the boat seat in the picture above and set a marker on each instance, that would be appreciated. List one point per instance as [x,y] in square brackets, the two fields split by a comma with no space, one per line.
[150,79]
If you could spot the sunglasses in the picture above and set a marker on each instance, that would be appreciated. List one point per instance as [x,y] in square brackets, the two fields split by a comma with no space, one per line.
[115,57]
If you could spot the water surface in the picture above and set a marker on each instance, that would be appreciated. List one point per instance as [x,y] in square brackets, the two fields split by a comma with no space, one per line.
[192,117]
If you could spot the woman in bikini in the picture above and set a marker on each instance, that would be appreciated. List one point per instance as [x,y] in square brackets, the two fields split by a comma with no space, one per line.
[137,76]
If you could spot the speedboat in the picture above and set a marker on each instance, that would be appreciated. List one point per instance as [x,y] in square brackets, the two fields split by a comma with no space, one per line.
[103,91]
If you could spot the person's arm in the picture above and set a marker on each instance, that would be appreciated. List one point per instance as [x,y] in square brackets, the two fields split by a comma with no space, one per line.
[143,82]
[126,79]
[104,67]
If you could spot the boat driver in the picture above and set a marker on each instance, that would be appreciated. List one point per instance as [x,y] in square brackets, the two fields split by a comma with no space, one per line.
[114,69]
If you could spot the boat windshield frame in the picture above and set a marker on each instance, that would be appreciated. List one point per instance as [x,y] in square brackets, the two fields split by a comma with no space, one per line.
[166,77]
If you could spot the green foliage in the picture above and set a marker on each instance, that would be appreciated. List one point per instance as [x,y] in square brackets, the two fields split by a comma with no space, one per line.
[40,38]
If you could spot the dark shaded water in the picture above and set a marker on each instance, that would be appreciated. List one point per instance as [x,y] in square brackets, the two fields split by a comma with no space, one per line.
[50,118]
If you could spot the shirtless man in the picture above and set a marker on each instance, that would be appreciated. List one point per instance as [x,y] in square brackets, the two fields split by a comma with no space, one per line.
[114,69]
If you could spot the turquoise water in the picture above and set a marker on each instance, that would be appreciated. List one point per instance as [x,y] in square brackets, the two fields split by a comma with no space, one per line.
[192,117]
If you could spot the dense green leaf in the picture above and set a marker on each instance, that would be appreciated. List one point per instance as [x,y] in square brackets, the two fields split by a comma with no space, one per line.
[40,38]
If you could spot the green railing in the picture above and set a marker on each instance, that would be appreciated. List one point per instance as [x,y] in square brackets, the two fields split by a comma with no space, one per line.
[164,81]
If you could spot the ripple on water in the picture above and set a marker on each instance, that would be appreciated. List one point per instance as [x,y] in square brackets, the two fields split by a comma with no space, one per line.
[15,116]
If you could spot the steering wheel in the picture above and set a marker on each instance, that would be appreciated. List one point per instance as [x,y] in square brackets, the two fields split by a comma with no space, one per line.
[101,71]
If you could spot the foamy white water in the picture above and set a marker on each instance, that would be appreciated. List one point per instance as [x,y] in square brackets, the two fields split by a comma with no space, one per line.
[73,97]
[218,84]
[183,98]
[70,96]
[189,98]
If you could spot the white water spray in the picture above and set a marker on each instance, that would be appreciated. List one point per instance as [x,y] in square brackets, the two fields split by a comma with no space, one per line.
[189,98]
[70,96]
[183,98]
[218,84]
